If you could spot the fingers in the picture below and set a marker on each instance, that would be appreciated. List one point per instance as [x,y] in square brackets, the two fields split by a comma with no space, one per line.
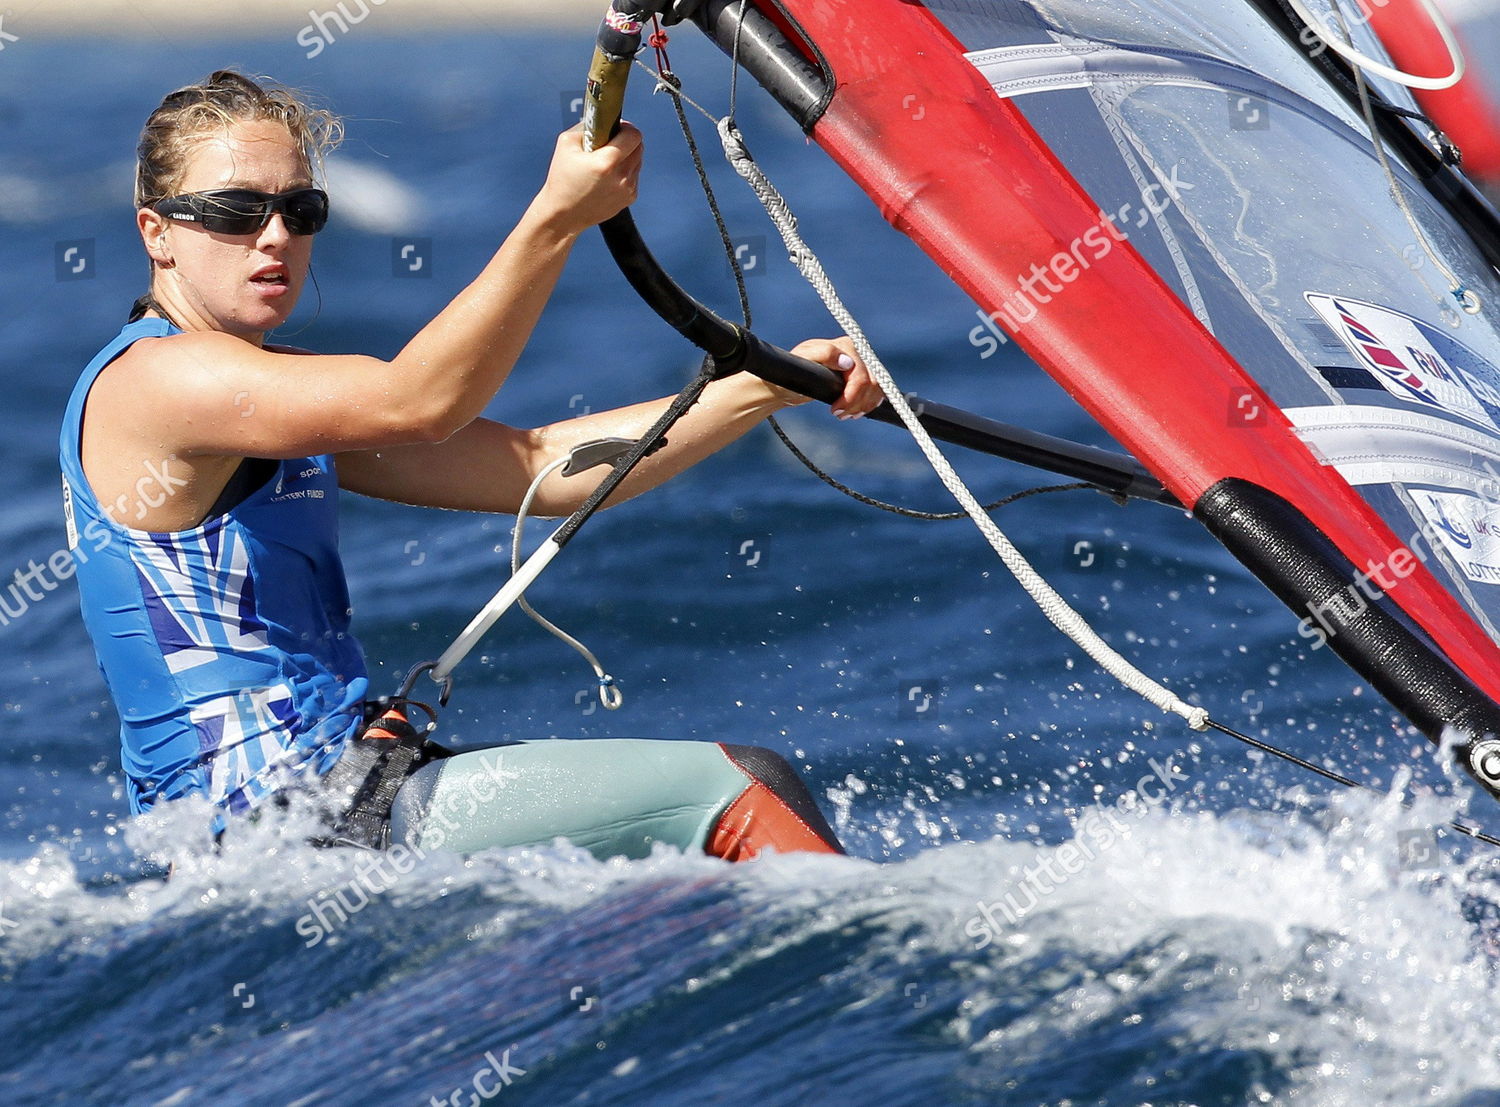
[628,140]
[861,395]
[585,188]
[630,170]
[627,155]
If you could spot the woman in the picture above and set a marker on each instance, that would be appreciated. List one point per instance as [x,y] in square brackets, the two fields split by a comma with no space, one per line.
[201,469]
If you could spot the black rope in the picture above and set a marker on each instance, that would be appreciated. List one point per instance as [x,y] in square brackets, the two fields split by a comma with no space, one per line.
[647,444]
[1326,61]
[1329,774]
[672,84]
[913,513]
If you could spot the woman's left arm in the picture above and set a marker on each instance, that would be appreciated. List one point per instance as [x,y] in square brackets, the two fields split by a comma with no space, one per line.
[488,466]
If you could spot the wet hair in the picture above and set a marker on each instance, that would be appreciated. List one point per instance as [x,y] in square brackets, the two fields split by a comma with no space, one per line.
[191,114]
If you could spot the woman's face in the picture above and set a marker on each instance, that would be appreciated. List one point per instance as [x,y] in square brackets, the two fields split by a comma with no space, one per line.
[243,284]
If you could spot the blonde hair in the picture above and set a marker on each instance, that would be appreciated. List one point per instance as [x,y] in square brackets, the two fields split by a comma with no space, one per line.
[190,114]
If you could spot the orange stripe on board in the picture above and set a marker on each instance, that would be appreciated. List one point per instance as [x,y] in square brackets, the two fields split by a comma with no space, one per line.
[759,820]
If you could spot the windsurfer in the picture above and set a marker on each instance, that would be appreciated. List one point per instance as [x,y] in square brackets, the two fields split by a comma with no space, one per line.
[220,613]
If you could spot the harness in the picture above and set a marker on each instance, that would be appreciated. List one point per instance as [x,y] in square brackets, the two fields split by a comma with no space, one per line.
[362,786]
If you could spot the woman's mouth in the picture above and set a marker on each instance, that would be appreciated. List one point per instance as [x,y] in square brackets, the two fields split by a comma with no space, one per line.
[271,281]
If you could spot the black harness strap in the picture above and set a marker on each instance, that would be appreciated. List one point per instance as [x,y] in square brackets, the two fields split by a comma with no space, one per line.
[364,783]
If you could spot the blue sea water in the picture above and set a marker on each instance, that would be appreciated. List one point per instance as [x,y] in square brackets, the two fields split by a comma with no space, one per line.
[1014,926]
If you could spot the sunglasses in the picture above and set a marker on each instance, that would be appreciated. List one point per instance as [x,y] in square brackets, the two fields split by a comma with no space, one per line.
[244,211]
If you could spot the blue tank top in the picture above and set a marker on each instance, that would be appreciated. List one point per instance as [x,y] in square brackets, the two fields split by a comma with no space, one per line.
[226,647]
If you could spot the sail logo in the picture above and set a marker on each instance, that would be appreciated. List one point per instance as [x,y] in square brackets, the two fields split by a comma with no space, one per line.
[1386,360]
[1468,529]
[1402,354]
[1452,529]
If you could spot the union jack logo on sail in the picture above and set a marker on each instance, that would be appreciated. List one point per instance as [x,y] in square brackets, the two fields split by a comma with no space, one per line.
[1390,362]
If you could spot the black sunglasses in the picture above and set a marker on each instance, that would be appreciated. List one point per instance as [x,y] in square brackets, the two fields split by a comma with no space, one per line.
[244,211]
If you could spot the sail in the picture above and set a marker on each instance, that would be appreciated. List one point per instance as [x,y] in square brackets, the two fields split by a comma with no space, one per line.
[1183,222]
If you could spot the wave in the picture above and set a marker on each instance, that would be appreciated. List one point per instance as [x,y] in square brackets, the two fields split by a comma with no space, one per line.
[1329,954]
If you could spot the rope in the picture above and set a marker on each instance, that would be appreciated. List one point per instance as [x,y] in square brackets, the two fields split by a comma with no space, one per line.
[1338,778]
[609,692]
[1052,605]
[1363,62]
[912,513]
[514,589]
[734,61]
[671,84]
[1467,298]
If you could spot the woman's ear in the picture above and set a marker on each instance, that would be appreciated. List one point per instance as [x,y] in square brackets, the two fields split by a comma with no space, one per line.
[153,230]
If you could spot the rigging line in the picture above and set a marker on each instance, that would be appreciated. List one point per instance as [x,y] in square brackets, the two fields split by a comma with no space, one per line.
[671,84]
[1467,298]
[1052,605]
[734,60]
[1363,62]
[676,92]
[1451,155]
[441,670]
[1329,774]
[609,692]
[658,43]
[911,513]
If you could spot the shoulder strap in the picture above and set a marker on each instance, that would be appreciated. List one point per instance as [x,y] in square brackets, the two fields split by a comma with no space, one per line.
[72,425]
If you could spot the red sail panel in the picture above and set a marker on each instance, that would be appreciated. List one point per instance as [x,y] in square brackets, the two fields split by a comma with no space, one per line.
[961,172]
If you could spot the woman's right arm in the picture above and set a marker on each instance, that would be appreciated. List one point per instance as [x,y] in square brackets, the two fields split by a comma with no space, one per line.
[213,393]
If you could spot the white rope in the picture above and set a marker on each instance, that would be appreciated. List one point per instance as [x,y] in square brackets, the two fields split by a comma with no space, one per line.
[609,691]
[1052,605]
[1350,54]
[513,592]
[1467,298]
